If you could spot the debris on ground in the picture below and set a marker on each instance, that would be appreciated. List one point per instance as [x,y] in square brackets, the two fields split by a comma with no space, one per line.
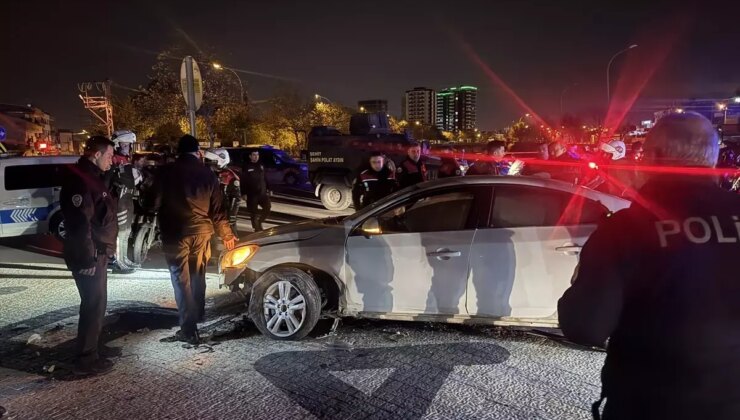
[20,327]
[395,335]
[49,369]
[55,328]
[33,339]
[339,345]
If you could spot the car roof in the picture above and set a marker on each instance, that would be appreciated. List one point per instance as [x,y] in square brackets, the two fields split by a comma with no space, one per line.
[15,160]
[530,181]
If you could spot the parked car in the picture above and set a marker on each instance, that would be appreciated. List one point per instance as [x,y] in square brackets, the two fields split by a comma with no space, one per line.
[280,167]
[29,194]
[497,250]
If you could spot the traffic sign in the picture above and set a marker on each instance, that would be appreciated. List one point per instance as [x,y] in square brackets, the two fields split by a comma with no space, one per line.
[2,134]
[192,89]
[197,82]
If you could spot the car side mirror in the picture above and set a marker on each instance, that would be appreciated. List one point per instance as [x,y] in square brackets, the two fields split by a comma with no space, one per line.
[371,227]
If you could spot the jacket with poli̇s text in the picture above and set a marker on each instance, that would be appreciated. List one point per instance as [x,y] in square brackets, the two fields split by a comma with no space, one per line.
[89,211]
[411,173]
[660,281]
[190,201]
[370,186]
[253,179]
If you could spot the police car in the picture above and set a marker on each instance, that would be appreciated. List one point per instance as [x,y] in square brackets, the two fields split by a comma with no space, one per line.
[29,194]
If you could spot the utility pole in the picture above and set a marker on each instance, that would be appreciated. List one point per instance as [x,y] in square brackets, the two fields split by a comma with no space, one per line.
[99,106]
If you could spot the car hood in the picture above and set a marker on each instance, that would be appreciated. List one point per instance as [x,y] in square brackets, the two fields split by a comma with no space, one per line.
[299,231]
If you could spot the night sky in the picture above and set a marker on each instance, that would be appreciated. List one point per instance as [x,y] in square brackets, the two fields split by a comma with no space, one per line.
[348,51]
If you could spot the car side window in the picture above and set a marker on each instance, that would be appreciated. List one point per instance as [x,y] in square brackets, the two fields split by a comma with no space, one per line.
[24,177]
[447,211]
[522,206]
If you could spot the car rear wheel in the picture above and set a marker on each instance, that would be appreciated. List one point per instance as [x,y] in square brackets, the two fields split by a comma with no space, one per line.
[56,226]
[290,179]
[285,304]
[335,197]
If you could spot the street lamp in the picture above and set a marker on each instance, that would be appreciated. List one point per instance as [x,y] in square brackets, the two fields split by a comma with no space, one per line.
[217,66]
[608,68]
[736,99]
[319,97]
[362,109]
[721,107]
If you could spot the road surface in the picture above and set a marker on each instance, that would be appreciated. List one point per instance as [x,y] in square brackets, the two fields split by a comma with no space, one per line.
[366,369]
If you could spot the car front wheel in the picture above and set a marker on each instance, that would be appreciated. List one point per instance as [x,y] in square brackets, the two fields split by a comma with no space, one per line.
[285,304]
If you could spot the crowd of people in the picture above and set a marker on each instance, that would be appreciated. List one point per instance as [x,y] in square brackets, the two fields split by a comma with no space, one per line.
[195,197]
[655,285]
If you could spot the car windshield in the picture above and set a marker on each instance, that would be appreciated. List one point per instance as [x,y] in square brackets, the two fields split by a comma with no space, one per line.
[380,203]
[283,156]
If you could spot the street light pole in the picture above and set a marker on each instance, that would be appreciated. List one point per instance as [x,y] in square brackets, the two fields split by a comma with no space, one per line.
[317,97]
[608,69]
[241,86]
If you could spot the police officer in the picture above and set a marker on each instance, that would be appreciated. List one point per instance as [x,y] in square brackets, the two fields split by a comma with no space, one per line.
[567,168]
[254,186]
[218,159]
[190,205]
[374,183]
[412,170]
[658,284]
[89,211]
[450,165]
[122,183]
[494,163]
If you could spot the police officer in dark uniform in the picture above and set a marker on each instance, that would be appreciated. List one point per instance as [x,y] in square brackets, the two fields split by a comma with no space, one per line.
[450,165]
[494,163]
[658,285]
[121,181]
[254,186]
[412,170]
[374,183]
[190,204]
[89,211]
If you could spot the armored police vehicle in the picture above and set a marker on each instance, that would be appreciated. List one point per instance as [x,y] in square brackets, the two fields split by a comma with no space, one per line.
[335,159]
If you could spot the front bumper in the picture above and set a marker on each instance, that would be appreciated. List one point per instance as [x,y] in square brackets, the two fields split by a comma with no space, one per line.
[228,277]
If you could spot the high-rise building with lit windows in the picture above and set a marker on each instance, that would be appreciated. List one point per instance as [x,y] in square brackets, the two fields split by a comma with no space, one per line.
[456,108]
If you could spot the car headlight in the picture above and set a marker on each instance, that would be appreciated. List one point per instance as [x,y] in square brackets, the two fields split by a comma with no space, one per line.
[238,256]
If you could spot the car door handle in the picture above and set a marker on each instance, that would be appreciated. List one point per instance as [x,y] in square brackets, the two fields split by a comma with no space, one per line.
[444,254]
[569,248]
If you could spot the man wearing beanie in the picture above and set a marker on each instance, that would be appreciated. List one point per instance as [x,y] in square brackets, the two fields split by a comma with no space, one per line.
[190,211]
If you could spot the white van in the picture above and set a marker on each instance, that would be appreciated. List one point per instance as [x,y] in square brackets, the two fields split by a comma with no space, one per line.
[29,194]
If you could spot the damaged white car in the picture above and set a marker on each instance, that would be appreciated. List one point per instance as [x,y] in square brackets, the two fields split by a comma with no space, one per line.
[495,250]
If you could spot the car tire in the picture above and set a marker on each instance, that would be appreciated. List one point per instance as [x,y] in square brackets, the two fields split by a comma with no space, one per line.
[56,226]
[285,304]
[290,179]
[335,197]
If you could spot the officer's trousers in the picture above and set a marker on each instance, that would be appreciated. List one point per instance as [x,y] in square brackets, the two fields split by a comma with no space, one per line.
[253,201]
[93,301]
[187,259]
[125,220]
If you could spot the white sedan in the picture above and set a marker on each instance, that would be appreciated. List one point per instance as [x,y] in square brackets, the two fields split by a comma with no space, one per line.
[495,250]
